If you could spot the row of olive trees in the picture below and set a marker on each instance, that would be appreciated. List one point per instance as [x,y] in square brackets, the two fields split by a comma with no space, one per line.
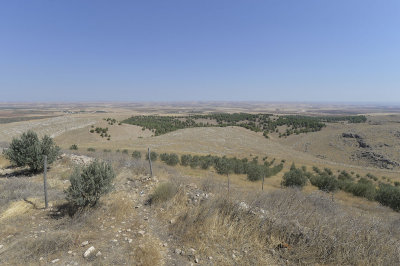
[325,180]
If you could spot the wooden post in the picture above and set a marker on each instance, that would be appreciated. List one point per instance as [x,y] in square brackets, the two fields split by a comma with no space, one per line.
[46,203]
[151,168]
[228,185]
[262,187]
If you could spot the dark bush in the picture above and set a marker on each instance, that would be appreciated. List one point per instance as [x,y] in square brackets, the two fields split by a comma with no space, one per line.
[223,166]
[73,147]
[170,159]
[255,172]
[91,149]
[28,150]
[153,156]
[186,159]
[363,188]
[325,182]
[206,162]
[195,161]
[136,154]
[388,195]
[89,184]
[294,178]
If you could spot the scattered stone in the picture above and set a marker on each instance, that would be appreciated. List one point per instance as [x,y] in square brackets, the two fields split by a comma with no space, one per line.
[191,252]
[41,258]
[178,251]
[84,243]
[210,258]
[70,252]
[1,246]
[196,260]
[141,232]
[130,240]
[165,245]
[172,221]
[98,254]
[55,261]
[89,252]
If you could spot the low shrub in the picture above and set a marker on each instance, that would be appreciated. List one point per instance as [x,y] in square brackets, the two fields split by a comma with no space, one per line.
[170,159]
[89,184]
[325,182]
[363,188]
[153,156]
[73,147]
[294,178]
[255,172]
[136,155]
[186,159]
[162,193]
[91,149]
[388,195]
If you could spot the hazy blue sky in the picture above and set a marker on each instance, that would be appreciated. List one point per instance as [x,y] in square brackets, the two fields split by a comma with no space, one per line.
[269,50]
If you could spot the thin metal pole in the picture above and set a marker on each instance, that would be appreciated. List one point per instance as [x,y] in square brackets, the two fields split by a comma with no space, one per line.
[46,203]
[151,167]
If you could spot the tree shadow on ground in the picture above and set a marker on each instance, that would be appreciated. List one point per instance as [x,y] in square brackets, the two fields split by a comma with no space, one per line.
[17,173]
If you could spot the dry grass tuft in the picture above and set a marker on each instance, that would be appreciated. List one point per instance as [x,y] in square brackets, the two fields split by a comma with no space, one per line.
[285,225]
[31,249]
[146,254]
[163,192]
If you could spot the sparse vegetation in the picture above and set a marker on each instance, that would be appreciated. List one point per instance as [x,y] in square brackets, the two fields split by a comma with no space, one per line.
[103,132]
[73,147]
[136,155]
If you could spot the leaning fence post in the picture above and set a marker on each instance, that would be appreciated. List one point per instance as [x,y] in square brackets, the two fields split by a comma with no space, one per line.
[151,168]
[46,203]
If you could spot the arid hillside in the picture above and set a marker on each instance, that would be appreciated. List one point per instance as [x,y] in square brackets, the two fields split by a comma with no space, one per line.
[184,214]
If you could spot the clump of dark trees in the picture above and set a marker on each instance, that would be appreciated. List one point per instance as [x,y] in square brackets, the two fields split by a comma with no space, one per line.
[265,123]
[326,180]
[103,132]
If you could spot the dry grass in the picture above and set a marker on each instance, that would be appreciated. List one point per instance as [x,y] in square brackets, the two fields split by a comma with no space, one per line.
[285,225]
[28,250]
[4,163]
[163,192]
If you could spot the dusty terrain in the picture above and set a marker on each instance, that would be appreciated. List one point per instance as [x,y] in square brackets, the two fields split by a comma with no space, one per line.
[126,230]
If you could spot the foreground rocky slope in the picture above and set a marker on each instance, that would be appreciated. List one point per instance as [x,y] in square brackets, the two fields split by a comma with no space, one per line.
[174,219]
